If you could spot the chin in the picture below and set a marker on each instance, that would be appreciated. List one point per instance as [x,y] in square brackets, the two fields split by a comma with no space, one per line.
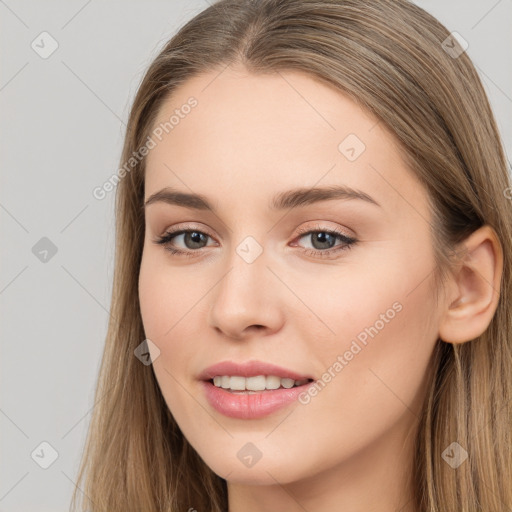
[268,472]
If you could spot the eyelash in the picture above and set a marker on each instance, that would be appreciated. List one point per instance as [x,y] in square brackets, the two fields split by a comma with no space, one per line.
[347,241]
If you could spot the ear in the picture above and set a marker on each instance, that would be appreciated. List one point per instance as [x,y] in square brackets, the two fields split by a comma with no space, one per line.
[474,288]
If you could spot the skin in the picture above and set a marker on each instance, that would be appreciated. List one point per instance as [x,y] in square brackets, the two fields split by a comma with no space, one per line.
[249,138]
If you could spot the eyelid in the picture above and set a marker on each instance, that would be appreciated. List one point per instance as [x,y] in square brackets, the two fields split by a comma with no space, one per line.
[190,226]
[322,227]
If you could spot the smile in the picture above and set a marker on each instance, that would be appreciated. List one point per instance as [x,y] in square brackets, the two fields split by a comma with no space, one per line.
[257,383]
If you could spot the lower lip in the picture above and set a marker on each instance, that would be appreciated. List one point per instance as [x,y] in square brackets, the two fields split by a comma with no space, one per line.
[250,406]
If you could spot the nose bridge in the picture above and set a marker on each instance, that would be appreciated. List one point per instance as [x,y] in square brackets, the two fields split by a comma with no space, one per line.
[246,279]
[243,296]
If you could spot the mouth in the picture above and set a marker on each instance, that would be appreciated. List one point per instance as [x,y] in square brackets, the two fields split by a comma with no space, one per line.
[252,389]
[237,384]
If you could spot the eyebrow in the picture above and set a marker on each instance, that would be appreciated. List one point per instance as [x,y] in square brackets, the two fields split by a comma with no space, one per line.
[289,199]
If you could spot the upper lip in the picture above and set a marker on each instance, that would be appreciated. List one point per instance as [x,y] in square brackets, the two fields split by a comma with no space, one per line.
[250,369]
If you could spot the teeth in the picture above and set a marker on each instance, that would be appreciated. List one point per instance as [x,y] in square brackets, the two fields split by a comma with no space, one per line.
[237,383]
[258,383]
[287,383]
[272,382]
[253,383]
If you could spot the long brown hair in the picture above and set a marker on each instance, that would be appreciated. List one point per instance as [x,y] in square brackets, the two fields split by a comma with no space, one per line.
[391,57]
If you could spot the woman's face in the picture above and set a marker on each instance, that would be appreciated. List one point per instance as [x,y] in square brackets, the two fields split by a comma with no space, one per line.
[338,290]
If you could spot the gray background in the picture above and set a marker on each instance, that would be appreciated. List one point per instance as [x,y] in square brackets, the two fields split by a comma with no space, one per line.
[63,120]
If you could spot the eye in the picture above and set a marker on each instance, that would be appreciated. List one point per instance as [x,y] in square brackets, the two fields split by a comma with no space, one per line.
[323,241]
[193,239]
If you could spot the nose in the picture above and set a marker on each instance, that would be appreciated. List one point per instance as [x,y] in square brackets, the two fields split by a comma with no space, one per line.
[246,300]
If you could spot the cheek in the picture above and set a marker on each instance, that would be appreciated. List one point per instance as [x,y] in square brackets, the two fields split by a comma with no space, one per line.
[170,302]
[386,325]
[382,300]
[166,297]
[154,307]
[165,303]
[368,388]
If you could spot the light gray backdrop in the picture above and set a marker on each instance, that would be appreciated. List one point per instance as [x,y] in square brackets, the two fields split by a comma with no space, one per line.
[63,115]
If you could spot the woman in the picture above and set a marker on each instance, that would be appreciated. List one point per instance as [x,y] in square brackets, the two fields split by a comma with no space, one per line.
[313,251]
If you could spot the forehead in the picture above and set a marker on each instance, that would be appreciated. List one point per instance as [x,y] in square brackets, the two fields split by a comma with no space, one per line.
[256,133]
[270,111]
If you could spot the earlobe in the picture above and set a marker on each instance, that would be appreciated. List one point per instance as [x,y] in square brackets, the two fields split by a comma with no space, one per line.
[475,288]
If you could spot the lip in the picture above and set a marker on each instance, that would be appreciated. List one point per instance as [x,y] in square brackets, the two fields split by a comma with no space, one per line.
[250,405]
[250,369]
[246,406]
